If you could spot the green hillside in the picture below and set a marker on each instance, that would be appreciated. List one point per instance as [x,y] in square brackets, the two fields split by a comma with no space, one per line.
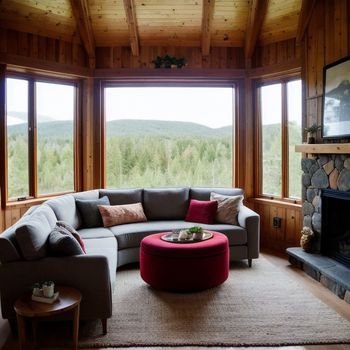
[124,127]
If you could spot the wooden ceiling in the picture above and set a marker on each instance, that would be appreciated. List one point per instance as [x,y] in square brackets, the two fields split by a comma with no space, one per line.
[137,23]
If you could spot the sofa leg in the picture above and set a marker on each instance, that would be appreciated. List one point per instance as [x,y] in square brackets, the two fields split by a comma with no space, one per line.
[250,262]
[104,325]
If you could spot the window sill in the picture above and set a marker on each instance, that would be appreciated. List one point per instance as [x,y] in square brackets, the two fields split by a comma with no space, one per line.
[33,201]
[281,202]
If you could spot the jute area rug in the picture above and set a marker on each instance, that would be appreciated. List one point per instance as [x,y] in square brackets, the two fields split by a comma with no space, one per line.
[256,306]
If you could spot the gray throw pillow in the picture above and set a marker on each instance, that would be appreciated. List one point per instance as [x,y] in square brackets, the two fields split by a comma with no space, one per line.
[62,243]
[89,212]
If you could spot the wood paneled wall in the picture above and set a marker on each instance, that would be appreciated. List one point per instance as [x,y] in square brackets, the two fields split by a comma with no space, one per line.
[276,53]
[42,48]
[327,40]
[121,57]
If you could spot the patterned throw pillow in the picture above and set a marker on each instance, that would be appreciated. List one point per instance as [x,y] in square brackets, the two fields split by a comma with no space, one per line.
[121,214]
[202,212]
[228,208]
[75,234]
[62,243]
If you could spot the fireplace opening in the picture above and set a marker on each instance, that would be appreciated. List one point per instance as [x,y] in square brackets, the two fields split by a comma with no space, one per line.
[335,219]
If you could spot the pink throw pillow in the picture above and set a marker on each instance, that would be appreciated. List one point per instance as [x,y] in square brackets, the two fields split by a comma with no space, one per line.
[202,211]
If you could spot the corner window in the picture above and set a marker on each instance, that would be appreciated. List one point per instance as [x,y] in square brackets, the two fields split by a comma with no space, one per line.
[280,130]
[40,119]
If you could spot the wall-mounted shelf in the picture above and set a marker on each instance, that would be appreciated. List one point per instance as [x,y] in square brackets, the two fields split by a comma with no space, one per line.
[325,148]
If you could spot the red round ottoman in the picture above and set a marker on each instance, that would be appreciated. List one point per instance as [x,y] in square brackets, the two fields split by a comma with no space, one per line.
[184,267]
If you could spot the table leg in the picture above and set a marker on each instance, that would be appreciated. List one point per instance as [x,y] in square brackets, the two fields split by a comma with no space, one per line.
[21,332]
[34,331]
[76,327]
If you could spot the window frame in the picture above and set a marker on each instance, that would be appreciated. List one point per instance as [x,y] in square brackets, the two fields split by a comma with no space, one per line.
[236,84]
[32,78]
[283,80]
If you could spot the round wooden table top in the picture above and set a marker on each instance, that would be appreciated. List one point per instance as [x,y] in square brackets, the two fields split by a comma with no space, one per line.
[68,299]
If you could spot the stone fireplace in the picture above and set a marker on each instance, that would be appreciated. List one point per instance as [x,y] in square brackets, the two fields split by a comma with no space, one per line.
[321,172]
[326,210]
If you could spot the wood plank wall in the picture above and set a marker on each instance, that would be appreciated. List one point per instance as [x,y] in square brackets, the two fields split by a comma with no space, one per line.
[327,40]
[121,57]
[42,48]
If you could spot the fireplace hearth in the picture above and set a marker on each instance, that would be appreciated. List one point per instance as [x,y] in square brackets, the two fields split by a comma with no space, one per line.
[335,218]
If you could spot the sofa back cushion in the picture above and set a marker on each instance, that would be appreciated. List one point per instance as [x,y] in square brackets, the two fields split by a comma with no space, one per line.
[165,203]
[203,193]
[32,233]
[123,196]
[65,207]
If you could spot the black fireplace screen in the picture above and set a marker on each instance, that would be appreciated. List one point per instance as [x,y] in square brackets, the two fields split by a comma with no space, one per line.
[335,235]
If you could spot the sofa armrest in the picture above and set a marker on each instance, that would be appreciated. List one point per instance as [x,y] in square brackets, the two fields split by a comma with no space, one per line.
[250,220]
[88,273]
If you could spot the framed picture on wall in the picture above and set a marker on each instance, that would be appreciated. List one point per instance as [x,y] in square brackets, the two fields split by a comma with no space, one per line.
[336,99]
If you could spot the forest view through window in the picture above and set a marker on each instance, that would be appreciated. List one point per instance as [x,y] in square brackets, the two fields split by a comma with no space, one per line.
[40,159]
[168,136]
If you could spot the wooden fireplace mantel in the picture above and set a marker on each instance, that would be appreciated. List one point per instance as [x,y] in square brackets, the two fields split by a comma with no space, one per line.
[323,148]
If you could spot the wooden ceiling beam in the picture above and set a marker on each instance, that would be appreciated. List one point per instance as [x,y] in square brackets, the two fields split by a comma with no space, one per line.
[307,7]
[130,12]
[81,14]
[207,18]
[257,13]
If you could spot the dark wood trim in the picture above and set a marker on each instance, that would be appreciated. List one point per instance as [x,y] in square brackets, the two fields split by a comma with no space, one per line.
[207,19]
[27,65]
[3,136]
[78,137]
[154,75]
[290,67]
[130,13]
[256,16]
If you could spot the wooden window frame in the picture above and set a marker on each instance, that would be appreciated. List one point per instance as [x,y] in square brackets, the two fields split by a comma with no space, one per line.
[283,80]
[100,127]
[32,78]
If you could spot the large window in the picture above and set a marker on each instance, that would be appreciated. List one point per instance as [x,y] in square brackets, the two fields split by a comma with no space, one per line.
[168,136]
[280,131]
[40,117]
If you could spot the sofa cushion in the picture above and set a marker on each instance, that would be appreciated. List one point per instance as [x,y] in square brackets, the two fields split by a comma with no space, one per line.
[123,196]
[32,234]
[108,248]
[62,243]
[121,214]
[95,232]
[202,211]
[228,208]
[90,215]
[203,193]
[165,203]
[130,235]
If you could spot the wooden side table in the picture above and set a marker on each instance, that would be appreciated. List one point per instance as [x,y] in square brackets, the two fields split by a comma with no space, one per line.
[69,299]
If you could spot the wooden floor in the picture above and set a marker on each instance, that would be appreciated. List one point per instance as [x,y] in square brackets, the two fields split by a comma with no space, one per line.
[7,342]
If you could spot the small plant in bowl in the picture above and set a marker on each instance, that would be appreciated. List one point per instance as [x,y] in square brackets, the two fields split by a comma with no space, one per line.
[196,232]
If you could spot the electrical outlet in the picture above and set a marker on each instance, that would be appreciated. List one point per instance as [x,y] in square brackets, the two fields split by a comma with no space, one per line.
[276,222]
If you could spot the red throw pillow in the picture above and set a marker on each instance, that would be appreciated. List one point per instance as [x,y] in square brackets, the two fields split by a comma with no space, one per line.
[202,211]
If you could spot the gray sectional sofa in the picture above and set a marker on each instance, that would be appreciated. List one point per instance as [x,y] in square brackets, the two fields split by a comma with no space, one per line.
[94,274]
